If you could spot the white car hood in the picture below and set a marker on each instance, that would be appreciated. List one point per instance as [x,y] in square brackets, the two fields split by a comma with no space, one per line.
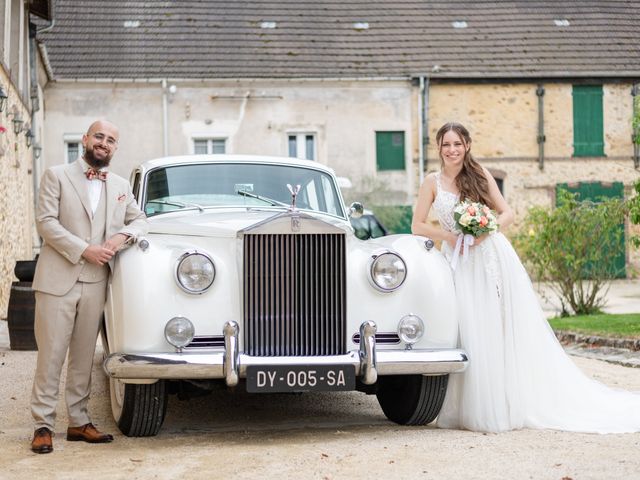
[222,223]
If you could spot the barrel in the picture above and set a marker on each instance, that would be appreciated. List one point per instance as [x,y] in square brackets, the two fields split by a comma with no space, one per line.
[20,316]
[25,269]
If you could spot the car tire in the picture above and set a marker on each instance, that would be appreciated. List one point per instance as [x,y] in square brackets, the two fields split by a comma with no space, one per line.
[412,399]
[139,409]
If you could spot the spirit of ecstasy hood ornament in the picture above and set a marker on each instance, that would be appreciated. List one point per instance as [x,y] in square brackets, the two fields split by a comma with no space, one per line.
[294,193]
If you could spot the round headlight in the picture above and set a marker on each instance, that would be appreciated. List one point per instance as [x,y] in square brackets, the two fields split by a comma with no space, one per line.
[195,272]
[388,271]
[410,329]
[179,331]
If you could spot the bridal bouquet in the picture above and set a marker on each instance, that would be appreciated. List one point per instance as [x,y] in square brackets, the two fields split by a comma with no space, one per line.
[474,218]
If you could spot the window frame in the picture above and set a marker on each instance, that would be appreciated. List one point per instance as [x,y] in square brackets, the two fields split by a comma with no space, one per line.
[301,139]
[69,138]
[210,139]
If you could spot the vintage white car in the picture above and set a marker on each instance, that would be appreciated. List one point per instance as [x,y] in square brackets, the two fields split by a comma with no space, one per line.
[251,276]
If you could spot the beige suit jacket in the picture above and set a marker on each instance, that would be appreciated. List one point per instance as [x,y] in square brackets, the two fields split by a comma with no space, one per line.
[63,220]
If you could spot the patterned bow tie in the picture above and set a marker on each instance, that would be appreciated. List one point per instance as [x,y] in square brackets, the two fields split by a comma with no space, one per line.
[92,173]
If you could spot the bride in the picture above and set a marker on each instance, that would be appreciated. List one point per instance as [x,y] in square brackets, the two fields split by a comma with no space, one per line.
[518,376]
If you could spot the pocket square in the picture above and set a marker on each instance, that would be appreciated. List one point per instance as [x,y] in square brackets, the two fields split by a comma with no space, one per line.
[122,197]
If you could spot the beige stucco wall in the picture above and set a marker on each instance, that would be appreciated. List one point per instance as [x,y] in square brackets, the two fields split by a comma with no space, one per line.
[16,195]
[255,117]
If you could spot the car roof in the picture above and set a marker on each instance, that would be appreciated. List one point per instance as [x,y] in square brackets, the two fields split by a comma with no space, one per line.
[227,158]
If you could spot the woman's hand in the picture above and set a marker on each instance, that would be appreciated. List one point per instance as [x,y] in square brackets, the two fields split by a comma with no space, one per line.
[480,239]
[451,239]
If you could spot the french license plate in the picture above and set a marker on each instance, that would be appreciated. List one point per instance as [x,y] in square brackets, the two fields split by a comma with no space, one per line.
[299,378]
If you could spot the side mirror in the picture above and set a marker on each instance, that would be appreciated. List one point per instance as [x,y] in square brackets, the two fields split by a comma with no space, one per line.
[356,210]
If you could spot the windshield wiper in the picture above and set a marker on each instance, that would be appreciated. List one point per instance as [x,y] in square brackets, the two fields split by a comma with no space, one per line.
[270,201]
[175,203]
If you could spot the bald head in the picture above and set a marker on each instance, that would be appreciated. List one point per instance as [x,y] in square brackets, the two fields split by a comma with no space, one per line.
[102,125]
[100,143]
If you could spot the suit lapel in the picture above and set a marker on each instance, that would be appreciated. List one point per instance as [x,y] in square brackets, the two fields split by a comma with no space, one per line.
[79,181]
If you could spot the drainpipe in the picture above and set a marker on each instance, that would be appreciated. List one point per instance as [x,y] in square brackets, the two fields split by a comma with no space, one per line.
[165,118]
[35,106]
[541,136]
[423,122]
[635,136]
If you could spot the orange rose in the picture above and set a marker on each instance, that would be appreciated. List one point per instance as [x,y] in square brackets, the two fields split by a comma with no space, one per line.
[483,221]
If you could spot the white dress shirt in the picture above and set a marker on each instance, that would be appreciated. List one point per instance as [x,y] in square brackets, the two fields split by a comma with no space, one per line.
[95,188]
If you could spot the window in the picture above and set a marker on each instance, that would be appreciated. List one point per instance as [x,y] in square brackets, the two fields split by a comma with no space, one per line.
[390,150]
[222,184]
[209,145]
[302,145]
[73,148]
[588,136]
[136,185]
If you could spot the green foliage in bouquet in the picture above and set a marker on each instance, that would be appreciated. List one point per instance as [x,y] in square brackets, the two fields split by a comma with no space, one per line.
[569,247]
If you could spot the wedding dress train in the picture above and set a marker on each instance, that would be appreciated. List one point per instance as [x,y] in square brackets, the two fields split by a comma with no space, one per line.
[518,375]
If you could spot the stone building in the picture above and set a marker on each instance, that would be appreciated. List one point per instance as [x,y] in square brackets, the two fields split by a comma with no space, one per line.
[20,129]
[544,87]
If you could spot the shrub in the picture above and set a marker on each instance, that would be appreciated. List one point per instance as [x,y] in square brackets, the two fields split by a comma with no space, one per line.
[396,218]
[633,204]
[569,247]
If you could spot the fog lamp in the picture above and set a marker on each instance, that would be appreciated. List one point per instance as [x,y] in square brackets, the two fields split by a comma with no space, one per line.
[410,329]
[179,331]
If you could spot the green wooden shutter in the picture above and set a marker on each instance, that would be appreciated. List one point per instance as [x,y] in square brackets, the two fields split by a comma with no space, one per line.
[588,137]
[390,150]
[595,191]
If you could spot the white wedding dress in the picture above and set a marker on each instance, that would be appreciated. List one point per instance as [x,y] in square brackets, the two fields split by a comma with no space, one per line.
[518,375]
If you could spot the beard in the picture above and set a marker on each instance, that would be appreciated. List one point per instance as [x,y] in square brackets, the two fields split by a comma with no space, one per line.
[91,159]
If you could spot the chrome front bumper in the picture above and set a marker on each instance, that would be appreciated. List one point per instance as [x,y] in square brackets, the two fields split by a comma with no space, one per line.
[232,365]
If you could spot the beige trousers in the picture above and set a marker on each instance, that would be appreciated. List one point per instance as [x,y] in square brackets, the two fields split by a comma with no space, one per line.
[66,323]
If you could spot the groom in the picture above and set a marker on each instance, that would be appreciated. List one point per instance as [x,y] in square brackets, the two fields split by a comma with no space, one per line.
[85,215]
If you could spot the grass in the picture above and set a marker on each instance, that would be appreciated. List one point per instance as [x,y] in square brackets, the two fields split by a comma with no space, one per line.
[604,325]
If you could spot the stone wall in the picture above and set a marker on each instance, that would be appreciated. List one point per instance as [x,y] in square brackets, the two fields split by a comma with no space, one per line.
[503,122]
[16,195]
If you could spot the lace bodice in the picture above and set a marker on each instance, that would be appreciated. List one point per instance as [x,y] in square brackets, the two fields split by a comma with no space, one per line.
[443,205]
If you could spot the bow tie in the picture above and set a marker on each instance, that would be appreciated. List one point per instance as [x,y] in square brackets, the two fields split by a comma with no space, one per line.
[92,173]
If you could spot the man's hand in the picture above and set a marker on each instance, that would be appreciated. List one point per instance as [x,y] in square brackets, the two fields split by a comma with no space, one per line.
[98,254]
[115,242]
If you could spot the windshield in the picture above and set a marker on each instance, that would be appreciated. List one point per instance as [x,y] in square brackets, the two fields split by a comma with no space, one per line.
[238,184]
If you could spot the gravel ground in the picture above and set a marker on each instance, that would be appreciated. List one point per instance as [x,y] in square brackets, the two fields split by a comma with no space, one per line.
[319,436]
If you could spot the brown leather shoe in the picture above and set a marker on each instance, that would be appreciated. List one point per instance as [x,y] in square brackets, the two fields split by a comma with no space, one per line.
[87,433]
[41,442]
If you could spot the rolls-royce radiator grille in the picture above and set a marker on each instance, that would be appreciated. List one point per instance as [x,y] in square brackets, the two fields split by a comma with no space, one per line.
[294,294]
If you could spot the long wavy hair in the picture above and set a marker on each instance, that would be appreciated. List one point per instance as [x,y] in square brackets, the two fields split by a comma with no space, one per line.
[471,181]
